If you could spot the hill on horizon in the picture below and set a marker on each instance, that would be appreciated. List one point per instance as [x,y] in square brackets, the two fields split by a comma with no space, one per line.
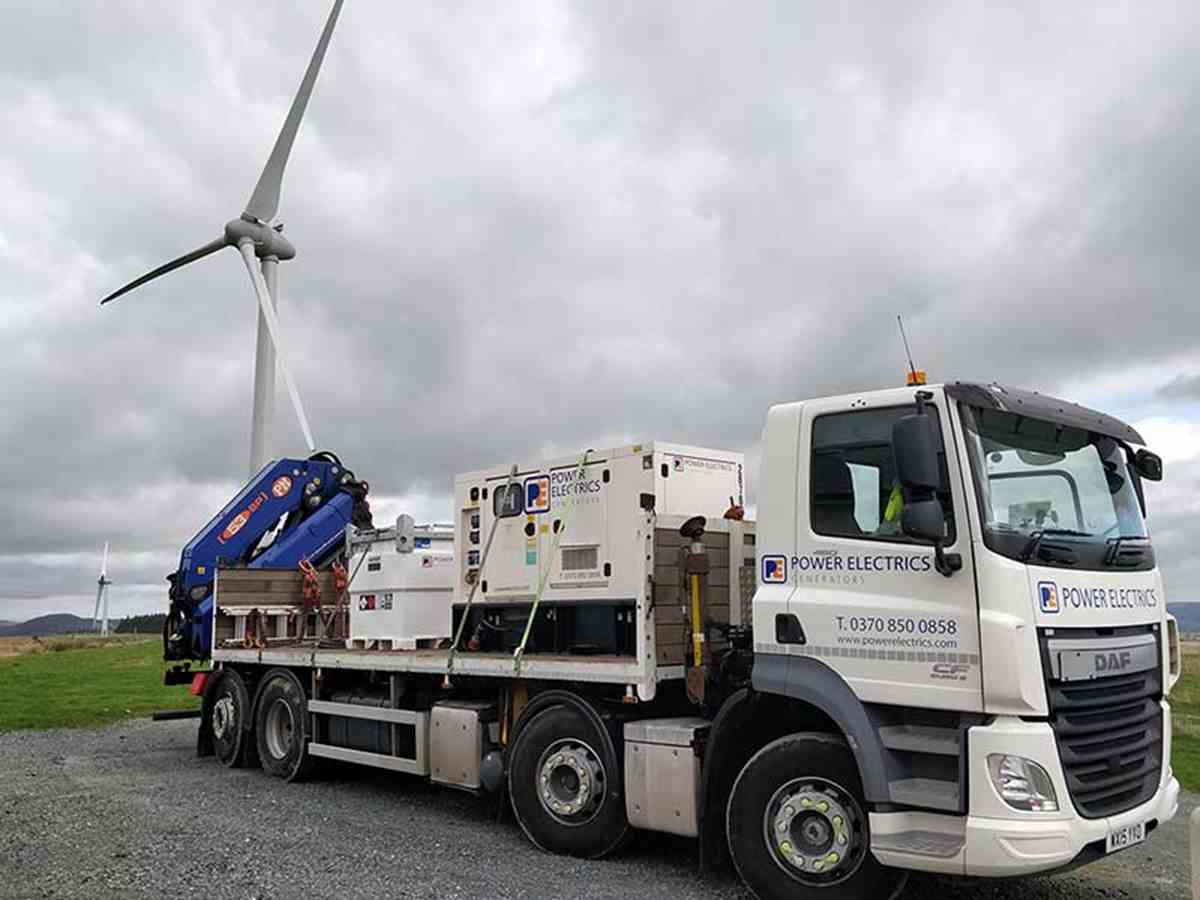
[55,623]
[1188,615]
[68,623]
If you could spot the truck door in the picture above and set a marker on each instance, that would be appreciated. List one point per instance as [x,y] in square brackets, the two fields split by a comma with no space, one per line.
[870,601]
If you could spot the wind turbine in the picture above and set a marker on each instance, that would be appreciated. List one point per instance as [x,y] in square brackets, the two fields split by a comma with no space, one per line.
[254,237]
[102,584]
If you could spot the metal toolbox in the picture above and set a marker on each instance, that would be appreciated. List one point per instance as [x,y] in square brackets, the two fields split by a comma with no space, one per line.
[459,735]
[662,774]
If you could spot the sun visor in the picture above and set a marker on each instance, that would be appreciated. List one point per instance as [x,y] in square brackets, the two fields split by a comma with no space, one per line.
[1041,406]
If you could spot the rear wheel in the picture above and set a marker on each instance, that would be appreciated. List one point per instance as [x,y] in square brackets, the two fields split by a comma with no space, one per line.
[231,723]
[798,827]
[565,786]
[282,726]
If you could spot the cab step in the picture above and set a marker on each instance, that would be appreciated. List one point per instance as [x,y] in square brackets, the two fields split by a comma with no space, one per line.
[925,793]
[920,843]
[921,739]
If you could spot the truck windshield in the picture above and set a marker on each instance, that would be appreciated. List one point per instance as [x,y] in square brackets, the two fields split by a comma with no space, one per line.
[1053,494]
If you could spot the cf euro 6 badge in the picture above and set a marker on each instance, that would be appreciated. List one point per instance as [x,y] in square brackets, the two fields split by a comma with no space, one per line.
[774,569]
[1048,596]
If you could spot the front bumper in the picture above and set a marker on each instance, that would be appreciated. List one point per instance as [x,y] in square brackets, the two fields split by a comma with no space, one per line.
[996,840]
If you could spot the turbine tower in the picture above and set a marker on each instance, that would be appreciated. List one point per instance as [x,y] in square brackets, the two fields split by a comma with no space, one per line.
[262,247]
[102,584]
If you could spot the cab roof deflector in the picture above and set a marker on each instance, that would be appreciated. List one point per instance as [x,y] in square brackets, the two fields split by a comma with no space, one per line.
[1041,406]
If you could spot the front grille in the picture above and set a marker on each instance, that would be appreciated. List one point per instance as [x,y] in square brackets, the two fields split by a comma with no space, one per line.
[1110,739]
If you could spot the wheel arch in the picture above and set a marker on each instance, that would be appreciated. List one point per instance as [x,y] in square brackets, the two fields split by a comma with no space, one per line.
[748,721]
[811,682]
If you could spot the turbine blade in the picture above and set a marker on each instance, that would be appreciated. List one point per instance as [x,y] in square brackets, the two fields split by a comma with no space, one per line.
[104,561]
[199,253]
[246,248]
[264,202]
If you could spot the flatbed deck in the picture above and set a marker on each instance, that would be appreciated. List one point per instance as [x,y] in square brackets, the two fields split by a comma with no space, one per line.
[584,668]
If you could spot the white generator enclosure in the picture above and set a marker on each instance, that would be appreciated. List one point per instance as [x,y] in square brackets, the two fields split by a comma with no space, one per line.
[401,593]
[596,505]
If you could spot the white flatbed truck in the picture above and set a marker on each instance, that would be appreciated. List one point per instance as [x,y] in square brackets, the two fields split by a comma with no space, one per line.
[943,646]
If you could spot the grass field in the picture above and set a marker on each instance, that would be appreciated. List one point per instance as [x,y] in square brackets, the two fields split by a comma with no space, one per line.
[80,680]
[1185,709]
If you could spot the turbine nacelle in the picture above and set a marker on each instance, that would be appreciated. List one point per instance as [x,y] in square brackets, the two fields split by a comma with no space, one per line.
[268,240]
[101,623]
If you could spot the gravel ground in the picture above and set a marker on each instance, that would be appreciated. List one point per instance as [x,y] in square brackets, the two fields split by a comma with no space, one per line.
[127,811]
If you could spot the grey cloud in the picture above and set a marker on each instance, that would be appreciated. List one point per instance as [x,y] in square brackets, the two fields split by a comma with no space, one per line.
[1181,387]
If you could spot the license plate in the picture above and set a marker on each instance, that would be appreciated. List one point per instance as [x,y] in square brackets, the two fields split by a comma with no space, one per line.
[1120,838]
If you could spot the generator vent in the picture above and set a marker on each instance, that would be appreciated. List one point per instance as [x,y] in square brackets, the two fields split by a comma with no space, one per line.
[575,559]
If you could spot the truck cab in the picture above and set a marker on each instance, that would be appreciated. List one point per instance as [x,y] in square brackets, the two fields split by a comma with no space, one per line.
[958,579]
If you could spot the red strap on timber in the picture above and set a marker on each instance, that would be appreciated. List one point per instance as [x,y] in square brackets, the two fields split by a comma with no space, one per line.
[255,626]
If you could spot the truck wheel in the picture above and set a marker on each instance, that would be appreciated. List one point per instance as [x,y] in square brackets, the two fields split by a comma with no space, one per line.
[282,726]
[565,787]
[231,723]
[798,828]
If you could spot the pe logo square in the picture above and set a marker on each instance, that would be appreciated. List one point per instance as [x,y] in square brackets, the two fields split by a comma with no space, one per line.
[774,569]
[1048,596]
[537,494]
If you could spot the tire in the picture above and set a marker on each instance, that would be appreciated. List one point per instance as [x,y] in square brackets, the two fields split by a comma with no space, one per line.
[798,828]
[281,725]
[578,809]
[231,723]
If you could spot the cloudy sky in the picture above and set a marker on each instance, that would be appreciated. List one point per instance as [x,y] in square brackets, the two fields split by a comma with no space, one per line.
[539,226]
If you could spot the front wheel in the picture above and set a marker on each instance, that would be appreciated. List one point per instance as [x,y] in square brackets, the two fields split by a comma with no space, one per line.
[798,827]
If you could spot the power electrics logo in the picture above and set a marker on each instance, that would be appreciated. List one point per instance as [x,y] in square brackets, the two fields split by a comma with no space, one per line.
[537,494]
[281,486]
[774,569]
[1048,596]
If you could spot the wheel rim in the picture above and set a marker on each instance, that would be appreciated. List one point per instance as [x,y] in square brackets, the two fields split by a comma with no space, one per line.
[224,717]
[279,729]
[815,831]
[571,782]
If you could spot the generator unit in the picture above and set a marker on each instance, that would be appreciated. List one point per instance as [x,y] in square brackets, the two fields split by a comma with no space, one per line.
[400,596]
[568,528]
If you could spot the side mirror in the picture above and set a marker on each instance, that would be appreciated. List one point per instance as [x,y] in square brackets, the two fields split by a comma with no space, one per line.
[1148,465]
[922,519]
[914,445]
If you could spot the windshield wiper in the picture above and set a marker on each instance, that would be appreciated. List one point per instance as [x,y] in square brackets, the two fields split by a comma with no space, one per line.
[1035,541]
[1127,550]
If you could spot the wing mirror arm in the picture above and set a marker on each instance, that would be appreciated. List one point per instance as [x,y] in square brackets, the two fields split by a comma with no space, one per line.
[946,563]
[922,519]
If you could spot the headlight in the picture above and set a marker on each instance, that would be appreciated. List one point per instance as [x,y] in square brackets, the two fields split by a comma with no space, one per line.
[1022,783]
[198,593]
[314,501]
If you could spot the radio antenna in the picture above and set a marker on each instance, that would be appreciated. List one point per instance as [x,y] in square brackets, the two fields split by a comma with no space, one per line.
[915,375]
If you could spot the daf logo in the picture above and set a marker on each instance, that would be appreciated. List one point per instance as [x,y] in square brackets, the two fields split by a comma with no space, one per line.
[1113,662]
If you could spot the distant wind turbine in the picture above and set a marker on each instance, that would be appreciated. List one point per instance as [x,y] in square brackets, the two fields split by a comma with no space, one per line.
[102,584]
